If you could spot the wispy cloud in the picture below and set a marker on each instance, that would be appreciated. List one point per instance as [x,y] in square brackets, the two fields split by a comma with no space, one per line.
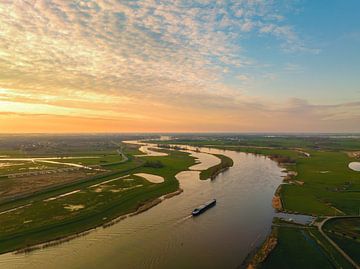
[134,59]
[128,48]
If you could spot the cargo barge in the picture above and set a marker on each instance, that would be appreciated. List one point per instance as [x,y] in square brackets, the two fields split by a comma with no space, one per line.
[201,209]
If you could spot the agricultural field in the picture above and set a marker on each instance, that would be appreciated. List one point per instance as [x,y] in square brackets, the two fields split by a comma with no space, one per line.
[31,164]
[313,141]
[315,252]
[329,188]
[24,176]
[350,246]
[12,167]
[346,233]
[36,208]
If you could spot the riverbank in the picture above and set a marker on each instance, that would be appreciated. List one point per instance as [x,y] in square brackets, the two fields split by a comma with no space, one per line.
[263,251]
[141,208]
[212,172]
[319,183]
[167,233]
[120,194]
[139,196]
[326,170]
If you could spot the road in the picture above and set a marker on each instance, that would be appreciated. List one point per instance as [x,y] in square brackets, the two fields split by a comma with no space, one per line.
[347,257]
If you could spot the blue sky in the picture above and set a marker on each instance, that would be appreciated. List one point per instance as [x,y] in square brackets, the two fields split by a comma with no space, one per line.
[151,65]
[330,72]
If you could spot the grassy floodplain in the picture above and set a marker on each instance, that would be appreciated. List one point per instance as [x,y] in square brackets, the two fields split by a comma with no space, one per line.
[60,211]
[212,172]
[323,179]
[320,183]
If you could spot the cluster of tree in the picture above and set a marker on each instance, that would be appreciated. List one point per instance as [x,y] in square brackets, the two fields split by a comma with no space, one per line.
[154,164]
[213,171]
[282,159]
[165,146]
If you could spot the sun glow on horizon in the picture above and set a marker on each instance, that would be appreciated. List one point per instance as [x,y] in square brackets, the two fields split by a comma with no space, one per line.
[107,66]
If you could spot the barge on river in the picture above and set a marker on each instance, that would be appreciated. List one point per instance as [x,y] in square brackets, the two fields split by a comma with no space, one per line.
[201,209]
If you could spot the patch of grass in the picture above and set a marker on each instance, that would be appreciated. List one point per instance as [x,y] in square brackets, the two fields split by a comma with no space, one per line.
[346,233]
[276,141]
[12,167]
[329,185]
[305,253]
[96,160]
[154,164]
[43,220]
[349,227]
[350,246]
[334,255]
[131,149]
[212,172]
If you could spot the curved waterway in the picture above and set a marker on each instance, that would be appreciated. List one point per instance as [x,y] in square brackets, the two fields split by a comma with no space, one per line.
[166,236]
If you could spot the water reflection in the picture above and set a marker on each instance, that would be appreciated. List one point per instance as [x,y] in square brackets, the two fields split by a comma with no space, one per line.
[296,218]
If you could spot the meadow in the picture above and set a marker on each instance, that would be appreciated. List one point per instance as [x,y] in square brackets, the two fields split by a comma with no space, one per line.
[323,179]
[346,233]
[309,251]
[59,211]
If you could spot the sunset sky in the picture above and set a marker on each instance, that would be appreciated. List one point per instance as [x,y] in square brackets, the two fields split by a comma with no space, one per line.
[179,66]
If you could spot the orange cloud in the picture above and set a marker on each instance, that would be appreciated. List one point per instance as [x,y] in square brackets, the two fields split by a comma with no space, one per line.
[113,66]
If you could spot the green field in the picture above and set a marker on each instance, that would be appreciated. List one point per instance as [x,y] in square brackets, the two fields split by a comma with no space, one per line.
[41,218]
[330,187]
[323,185]
[11,167]
[299,248]
[346,233]
[212,172]
[350,246]
[349,227]
[325,142]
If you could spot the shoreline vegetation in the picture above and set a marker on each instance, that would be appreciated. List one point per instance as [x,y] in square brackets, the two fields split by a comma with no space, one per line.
[214,171]
[260,255]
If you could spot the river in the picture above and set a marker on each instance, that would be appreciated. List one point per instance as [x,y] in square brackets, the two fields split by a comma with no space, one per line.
[166,236]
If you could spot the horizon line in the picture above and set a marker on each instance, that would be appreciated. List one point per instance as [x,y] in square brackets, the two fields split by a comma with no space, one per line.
[180,132]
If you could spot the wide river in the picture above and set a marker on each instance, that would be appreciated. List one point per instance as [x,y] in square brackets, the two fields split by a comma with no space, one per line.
[166,236]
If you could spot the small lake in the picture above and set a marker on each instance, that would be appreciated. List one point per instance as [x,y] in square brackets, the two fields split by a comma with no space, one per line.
[355,166]
[166,236]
